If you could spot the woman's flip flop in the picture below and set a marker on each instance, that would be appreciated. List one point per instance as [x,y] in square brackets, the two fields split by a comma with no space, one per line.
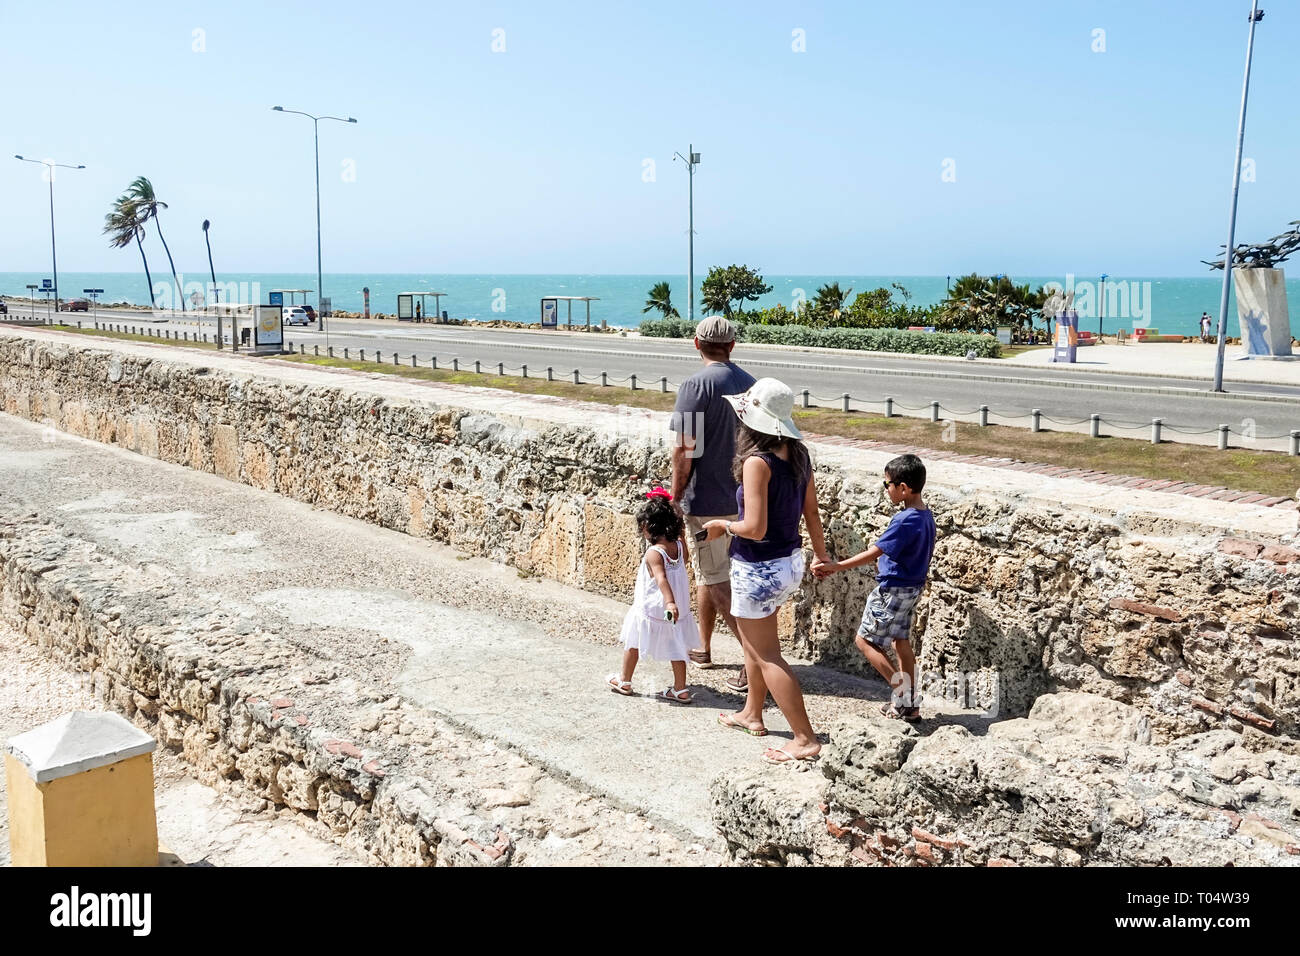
[728,720]
[777,756]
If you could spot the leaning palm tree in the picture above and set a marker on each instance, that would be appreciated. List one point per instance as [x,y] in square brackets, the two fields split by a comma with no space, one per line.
[661,299]
[148,206]
[122,225]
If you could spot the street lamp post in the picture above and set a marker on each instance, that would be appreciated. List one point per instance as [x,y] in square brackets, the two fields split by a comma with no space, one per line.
[315,124]
[691,159]
[54,256]
[1256,14]
[1101,323]
[216,293]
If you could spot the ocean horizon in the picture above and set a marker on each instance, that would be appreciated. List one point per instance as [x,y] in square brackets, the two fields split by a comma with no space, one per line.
[1170,304]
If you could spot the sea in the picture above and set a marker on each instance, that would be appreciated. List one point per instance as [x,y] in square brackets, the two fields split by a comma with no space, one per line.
[1171,305]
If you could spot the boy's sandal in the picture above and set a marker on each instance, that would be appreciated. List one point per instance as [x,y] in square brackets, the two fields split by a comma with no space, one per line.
[618,686]
[701,659]
[910,714]
[729,720]
[682,696]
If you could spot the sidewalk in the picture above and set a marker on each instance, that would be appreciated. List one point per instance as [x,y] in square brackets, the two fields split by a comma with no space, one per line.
[1191,359]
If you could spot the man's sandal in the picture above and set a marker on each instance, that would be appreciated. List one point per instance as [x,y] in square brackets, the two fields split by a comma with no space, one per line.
[701,659]
[682,696]
[729,720]
[619,686]
[739,686]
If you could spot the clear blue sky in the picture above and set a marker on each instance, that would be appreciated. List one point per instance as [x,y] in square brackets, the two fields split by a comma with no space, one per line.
[531,160]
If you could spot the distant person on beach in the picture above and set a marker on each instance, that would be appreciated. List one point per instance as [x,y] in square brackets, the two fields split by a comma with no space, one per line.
[767,561]
[419,317]
[702,481]
[903,556]
[656,625]
[1205,326]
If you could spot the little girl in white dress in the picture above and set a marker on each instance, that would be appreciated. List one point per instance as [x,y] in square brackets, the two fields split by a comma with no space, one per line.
[656,625]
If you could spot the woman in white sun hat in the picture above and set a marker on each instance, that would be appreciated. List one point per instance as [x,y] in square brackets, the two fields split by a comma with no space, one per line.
[767,562]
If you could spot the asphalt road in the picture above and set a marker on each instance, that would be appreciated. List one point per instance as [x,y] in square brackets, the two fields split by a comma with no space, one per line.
[1066,398]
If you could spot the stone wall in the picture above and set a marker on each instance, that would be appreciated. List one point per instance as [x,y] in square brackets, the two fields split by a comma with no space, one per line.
[1186,609]
[1076,783]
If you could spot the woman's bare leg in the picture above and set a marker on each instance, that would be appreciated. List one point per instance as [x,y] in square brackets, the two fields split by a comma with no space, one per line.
[768,671]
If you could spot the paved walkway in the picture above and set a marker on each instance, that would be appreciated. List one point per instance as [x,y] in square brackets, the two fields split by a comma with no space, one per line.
[513,660]
[1175,359]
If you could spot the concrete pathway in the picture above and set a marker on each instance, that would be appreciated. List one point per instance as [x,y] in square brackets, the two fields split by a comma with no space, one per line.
[518,661]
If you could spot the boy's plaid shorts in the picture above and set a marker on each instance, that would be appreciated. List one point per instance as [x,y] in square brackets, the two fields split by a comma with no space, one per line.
[888,615]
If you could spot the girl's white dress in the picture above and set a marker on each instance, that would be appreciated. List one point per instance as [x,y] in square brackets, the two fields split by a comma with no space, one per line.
[644,626]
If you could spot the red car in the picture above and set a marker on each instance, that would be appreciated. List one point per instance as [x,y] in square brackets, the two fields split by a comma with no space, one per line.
[76,305]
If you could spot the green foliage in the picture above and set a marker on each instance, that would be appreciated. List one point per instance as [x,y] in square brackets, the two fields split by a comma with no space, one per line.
[660,299]
[872,340]
[725,285]
[981,304]
[676,328]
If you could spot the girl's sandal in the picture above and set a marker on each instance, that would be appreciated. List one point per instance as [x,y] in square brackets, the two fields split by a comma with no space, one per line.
[618,686]
[682,696]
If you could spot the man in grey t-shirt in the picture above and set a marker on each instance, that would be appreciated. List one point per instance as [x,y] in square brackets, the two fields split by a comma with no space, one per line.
[705,428]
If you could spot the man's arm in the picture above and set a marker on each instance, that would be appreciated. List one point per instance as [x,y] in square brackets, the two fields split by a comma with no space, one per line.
[683,424]
[682,459]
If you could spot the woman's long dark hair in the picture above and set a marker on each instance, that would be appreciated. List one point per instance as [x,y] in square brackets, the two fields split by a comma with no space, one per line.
[750,443]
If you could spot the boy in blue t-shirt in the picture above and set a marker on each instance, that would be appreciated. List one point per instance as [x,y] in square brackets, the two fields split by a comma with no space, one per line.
[904,553]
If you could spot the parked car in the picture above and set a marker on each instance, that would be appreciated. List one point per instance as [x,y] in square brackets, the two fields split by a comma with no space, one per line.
[296,315]
[311,313]
[4,309]
[76,305]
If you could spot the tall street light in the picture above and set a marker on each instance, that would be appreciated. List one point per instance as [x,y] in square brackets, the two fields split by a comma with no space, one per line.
[54,256]
[1256,14]
[315,124]
[691,163]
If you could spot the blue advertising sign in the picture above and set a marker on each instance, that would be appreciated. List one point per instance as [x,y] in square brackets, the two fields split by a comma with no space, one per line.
[550,313]
[275,298]
[1066,344]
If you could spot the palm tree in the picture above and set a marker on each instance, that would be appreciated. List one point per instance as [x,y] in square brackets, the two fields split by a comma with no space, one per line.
[661,299]
[830,299]
[147,206]
[121,225]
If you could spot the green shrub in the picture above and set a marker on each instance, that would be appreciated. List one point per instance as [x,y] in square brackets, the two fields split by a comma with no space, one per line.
[668,328]
[868,340]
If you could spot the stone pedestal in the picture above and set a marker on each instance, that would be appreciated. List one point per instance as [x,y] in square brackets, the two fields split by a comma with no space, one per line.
[80,793]
[1262,311]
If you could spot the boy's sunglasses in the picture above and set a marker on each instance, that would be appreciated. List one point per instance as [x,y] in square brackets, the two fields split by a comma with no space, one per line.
[886,484]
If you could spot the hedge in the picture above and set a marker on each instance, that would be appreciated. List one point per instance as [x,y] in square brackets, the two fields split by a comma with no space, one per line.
[868,340]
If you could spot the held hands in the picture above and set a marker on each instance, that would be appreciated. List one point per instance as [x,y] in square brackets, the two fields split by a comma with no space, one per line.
[824,567]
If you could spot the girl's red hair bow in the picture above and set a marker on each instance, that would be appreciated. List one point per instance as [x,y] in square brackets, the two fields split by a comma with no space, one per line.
[658,492]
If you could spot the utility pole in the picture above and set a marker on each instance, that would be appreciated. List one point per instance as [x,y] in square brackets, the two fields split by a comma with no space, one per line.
[691,159]
[1256,14]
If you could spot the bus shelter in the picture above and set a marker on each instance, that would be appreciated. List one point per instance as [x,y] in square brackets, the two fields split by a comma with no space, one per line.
[570,299]
[276,297]
[409,310]
[232,319]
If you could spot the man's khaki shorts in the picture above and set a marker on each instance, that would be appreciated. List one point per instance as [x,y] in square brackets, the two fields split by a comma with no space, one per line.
[710,562]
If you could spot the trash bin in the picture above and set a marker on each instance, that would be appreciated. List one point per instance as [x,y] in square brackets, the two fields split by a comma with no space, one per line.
[444,315]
